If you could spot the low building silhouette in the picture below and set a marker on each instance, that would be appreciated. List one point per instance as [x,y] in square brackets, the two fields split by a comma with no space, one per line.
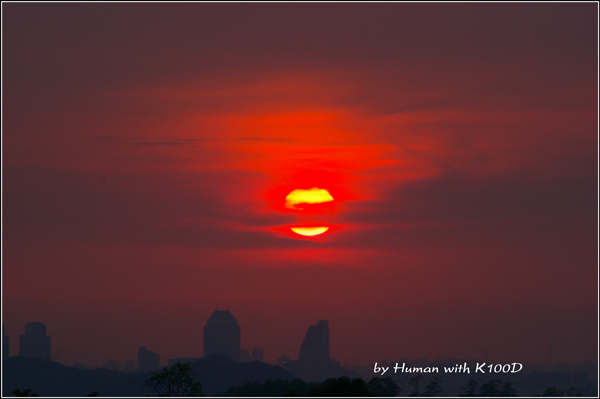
[147,360]
[35,343]
[113,365]
[283,360]
[222,335]
[245,356]
[129,367]
[182,360]
[257,354]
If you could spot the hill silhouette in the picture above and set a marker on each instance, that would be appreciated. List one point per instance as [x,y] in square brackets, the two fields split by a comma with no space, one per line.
[54,379]
[216,373]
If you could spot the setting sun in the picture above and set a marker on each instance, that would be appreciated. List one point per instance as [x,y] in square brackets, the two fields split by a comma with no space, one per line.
[312,196]
[309,231]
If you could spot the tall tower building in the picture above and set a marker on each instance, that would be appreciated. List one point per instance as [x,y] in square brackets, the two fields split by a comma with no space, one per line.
[314,363]
[147,360]
[222,335]
[315,346]
[35,342]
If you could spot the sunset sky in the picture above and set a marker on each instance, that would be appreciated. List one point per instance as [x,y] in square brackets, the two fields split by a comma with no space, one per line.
[148,150]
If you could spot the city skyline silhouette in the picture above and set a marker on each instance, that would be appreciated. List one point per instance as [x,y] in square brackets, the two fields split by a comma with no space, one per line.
[313,371]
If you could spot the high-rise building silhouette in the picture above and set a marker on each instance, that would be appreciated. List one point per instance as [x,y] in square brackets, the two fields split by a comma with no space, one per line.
[222,335]
[314,363]
[35,342]
[316,342]
[147,360]
[5,344]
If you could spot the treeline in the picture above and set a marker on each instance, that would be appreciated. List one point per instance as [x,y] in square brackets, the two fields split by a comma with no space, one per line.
[342,386]
[379,387]
[220,376]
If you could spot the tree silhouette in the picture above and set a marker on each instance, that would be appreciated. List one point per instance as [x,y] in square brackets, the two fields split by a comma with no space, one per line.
[342,386]
[490,388]
[508,390]
[26,392]
[470,389]
[433,388]
[278,388]
[414,382]
[383,387]
[553,391]
[497,388]
[175,381]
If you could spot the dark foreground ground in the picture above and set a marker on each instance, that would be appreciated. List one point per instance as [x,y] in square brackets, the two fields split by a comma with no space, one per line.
[220,376]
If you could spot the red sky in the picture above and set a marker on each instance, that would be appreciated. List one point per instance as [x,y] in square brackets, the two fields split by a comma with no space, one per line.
[148,150]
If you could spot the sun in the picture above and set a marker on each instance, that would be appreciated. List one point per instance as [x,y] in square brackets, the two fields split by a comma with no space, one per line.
[311,196]
[309,231]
